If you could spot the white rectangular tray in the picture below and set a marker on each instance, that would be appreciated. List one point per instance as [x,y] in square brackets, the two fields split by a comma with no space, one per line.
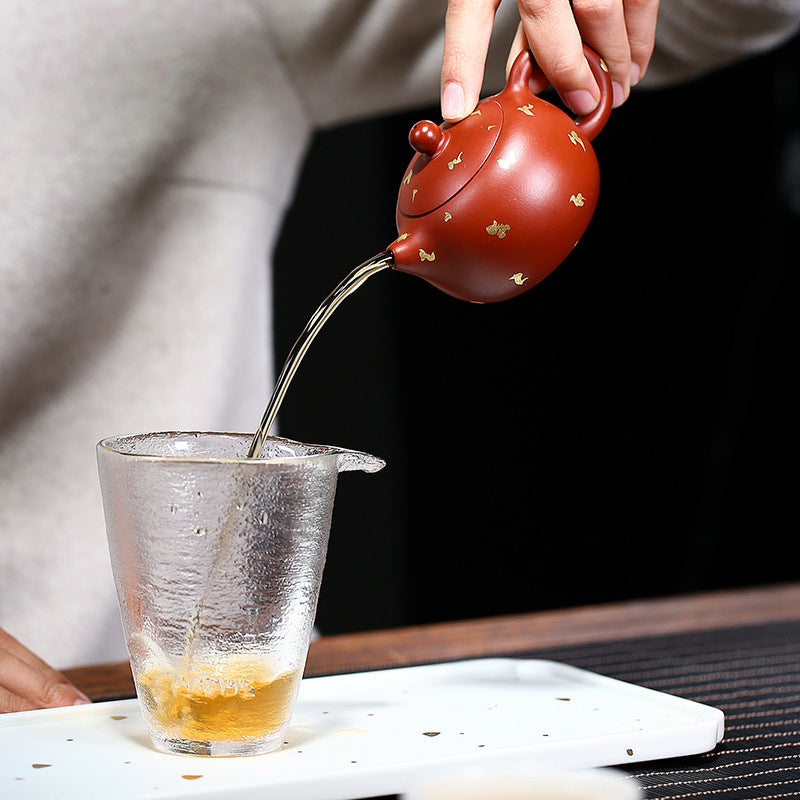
[365,735]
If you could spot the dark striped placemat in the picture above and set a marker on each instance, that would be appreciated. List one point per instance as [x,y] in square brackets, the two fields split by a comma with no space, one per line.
[751,673]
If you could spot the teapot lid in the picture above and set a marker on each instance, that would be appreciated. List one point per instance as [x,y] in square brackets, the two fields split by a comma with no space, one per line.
[448,157]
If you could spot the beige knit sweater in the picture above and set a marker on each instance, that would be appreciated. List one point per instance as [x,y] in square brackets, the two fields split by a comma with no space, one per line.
[148,151]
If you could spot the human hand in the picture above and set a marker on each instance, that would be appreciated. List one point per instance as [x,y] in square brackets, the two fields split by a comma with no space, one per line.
[26,682]
[621,31]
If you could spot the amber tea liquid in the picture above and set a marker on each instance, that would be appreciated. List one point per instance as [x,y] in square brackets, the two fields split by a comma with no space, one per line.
[237,701]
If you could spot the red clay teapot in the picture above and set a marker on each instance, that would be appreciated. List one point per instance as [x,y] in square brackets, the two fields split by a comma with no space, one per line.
[491,205]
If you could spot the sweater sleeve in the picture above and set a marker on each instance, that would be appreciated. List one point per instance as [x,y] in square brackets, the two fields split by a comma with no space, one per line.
[356,58]
[694,37]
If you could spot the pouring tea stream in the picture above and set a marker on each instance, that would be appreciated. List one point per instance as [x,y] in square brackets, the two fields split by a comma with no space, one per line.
[488,207]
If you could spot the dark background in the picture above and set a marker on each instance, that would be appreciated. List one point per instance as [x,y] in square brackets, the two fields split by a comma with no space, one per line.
[626,429]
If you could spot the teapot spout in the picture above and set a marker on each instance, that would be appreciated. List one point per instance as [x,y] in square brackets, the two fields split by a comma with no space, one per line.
[465,272]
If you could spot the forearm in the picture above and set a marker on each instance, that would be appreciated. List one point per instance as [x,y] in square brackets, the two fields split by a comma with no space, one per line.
[697,36]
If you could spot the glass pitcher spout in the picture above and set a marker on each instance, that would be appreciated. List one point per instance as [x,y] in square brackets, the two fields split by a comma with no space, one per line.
[347,460]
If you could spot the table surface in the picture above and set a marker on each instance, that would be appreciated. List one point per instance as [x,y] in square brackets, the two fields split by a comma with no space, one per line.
[738,650]
[508,635]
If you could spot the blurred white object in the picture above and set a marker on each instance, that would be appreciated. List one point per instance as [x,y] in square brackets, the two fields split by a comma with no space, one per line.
[520,783]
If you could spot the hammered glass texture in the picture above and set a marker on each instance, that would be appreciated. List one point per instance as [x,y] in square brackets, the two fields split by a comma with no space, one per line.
[215,554]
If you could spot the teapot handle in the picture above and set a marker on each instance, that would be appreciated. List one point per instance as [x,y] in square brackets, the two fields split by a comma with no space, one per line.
[590,124]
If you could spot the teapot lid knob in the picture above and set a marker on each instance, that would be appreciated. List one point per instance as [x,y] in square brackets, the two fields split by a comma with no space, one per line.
[425,137]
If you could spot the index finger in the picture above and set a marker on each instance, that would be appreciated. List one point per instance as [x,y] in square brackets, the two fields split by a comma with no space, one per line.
[555,41]
[28,682]
[467,31]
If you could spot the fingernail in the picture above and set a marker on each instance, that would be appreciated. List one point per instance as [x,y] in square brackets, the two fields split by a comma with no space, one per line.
[636,74]
[453,101]
[82,700]
[580,101]
[618,94]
